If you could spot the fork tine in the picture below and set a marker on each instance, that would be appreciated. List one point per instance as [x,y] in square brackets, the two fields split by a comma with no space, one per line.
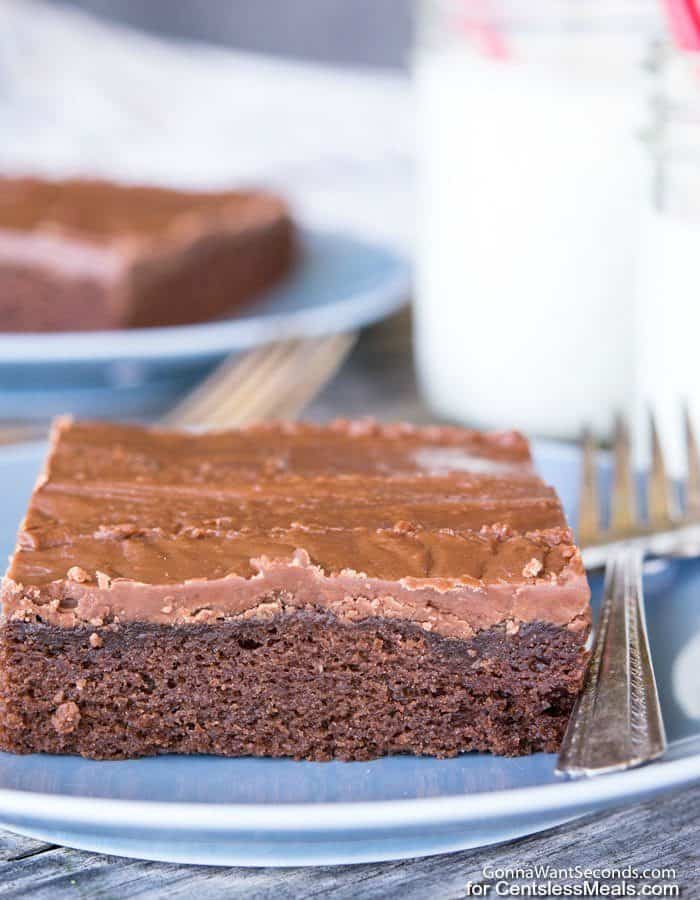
[285,389]
[251,397]
[196,406]
[190,409]
[330,361]
[309,375]
[660,511]
[246,382]
[692,497]
[623,505]
[589,530]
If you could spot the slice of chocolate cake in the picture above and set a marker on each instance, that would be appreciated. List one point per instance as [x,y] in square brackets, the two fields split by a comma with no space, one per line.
[340,591]
[81,255]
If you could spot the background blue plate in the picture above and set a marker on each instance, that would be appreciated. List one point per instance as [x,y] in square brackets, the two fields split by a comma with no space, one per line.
[282,812]
[340,284]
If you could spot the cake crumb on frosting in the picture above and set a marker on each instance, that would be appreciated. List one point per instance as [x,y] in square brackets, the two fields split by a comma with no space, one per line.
[533,568]
[75,573]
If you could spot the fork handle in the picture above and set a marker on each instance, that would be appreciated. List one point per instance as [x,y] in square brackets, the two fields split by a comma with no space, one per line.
[616,722]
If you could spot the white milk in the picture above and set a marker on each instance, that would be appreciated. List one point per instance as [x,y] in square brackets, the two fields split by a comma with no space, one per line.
[669,326]
[532,180]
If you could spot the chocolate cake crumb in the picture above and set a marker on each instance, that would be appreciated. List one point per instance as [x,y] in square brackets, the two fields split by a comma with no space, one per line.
[341,691]
[66,718]
[75,573]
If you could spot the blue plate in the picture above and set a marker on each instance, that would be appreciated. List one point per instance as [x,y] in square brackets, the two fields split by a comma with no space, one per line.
[282,812]
[341,283]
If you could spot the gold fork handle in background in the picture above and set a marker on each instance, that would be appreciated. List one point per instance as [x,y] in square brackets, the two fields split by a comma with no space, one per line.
[616,722]
[277,380]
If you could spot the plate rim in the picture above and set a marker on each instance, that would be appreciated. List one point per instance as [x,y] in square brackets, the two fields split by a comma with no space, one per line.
[215,338]
[567,796]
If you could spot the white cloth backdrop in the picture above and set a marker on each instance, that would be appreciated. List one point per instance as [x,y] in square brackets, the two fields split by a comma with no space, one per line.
[78,95]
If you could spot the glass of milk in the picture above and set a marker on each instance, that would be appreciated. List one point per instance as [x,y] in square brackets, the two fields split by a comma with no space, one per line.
[532,179]
[668,361]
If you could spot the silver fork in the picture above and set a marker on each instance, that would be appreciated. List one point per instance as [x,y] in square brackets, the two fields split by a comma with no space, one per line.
[667,529]
[617,721]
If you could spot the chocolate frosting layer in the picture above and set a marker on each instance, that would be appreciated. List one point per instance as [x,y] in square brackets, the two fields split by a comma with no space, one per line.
[444,527]
[104,212]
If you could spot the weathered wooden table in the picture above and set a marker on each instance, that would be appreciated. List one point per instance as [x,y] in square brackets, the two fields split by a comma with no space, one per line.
[377,381]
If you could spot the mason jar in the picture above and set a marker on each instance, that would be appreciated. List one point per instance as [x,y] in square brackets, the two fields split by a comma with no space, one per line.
[532,177]
[668,363]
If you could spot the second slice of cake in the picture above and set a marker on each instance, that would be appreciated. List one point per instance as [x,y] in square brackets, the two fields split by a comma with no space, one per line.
[80,255]
[344,591]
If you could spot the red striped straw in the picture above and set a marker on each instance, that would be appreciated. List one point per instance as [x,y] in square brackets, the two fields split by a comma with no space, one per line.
[684,19]
[476,18]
